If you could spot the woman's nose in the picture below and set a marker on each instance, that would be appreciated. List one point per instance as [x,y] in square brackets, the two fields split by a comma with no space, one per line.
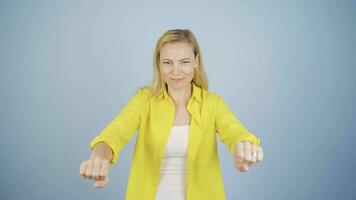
[176,68]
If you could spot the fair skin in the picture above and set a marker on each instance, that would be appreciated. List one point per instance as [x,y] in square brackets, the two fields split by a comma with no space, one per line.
[97,166]
[177,63]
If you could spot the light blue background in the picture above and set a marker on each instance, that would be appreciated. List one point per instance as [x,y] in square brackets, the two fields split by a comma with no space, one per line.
[286,68]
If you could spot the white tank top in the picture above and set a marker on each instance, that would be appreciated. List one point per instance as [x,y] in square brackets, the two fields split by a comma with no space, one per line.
[172,183]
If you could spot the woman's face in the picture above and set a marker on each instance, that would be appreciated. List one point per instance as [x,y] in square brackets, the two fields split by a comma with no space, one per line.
[177,63]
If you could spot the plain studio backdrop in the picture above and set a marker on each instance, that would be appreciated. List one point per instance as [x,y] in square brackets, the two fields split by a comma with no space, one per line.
[287,69]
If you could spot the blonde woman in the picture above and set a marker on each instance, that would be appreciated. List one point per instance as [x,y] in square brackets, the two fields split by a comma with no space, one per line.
[177,119]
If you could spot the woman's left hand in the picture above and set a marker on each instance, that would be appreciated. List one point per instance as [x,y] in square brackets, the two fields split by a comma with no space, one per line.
[247,154]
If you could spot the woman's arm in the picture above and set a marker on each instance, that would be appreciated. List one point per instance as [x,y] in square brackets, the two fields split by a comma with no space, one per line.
[236,137]
[122,128]
[230,129]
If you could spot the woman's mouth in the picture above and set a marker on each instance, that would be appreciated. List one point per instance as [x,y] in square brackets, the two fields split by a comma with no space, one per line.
[177,79]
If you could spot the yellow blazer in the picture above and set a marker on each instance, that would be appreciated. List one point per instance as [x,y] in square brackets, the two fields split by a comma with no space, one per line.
[153,118]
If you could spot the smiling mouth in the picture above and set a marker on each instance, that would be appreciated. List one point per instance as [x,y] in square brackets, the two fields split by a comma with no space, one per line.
[177,79]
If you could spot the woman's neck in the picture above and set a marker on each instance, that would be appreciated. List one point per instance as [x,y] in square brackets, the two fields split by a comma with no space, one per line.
[180,95]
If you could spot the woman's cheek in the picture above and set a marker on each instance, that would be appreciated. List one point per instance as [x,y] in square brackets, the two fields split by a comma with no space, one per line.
[190,72]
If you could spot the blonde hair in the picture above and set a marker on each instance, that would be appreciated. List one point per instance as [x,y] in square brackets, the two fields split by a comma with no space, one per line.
[176,35]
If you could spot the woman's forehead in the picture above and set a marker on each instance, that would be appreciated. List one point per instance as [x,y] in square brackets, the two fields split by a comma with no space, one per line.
[177,50]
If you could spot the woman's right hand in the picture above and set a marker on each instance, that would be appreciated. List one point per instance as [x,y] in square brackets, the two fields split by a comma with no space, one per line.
[95,168]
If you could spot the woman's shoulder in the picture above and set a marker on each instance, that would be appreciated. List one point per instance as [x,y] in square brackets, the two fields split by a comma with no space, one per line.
[211,95]
[144,92]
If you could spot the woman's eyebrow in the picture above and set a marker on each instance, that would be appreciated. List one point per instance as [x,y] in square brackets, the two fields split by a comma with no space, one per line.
[180,59]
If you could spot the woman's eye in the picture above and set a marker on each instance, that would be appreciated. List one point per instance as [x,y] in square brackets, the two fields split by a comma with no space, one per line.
[165,62]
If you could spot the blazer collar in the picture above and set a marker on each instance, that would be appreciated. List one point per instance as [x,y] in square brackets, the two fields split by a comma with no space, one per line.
[196,93]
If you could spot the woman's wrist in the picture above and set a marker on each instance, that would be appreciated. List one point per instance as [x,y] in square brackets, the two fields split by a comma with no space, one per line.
[102,150]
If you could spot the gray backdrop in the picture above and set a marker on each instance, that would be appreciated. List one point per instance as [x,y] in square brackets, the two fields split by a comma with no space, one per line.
[286,68]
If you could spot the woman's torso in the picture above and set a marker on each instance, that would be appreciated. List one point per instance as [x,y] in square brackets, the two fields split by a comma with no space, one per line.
[172,181]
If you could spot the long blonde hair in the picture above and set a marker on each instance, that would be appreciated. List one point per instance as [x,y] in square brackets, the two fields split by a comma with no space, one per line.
[176,35]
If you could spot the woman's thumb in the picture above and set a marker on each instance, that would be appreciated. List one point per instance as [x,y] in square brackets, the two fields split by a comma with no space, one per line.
[101,183]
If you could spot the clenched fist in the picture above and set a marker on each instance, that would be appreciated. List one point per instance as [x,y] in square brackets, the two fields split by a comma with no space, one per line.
[97,169]
[246,154]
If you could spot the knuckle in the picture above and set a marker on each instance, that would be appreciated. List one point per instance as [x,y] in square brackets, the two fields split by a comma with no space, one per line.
[95,175]
[239,157]
[88,174]
[103,175]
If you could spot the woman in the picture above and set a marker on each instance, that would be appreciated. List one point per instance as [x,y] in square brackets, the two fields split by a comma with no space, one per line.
[177,118]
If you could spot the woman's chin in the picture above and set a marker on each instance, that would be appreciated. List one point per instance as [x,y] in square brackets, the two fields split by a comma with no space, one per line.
[178,84]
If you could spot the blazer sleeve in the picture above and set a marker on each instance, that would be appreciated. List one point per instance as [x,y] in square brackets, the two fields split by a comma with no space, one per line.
[229,128]
[122,128]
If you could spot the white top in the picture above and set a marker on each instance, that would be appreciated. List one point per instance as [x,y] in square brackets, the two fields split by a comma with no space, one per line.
[172,184]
